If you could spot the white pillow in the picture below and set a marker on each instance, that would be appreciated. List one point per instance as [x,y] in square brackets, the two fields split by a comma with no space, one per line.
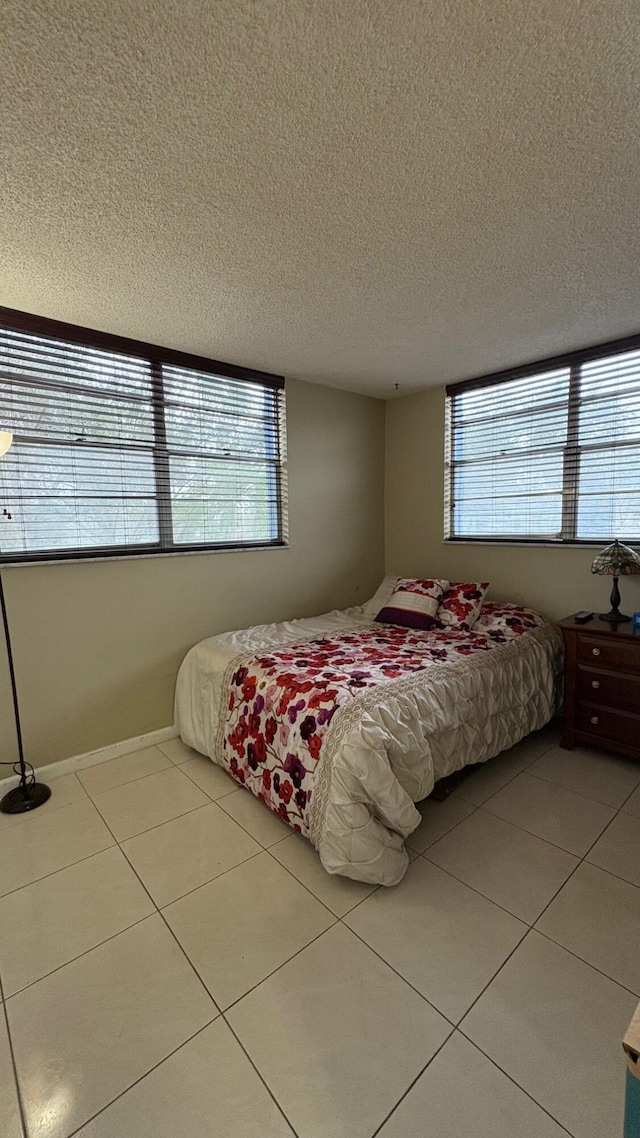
[381,596]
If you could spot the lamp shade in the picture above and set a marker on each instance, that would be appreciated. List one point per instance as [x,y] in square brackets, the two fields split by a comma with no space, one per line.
[6,438]
[616,560]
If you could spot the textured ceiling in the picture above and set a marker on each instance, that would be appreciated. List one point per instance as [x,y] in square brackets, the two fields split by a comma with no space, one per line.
[358,192]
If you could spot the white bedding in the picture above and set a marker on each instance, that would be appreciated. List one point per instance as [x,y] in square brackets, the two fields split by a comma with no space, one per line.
[385,748]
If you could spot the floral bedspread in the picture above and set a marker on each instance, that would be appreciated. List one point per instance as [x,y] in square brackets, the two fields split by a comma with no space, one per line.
[281,704]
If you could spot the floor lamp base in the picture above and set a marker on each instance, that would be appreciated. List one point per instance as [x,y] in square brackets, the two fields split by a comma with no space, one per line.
[21,799]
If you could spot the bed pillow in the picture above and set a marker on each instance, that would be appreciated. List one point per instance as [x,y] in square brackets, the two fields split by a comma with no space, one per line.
[460,605]
[413,603]
[500,616]
[380,597]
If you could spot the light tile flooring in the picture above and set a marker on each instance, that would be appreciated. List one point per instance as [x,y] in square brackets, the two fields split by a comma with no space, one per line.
[175,962]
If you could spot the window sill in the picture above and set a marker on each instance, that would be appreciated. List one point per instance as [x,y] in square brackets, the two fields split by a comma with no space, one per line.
[28,562]
[529,543]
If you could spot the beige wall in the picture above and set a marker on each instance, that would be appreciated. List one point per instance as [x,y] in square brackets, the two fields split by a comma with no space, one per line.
[97,645]
[554,581]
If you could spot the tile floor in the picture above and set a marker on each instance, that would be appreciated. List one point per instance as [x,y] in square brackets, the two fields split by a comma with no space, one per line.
[174,961]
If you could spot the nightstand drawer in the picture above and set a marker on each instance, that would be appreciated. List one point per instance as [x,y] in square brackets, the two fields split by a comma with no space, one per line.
[619,656]
[601,686]
[611,688]
[603,723]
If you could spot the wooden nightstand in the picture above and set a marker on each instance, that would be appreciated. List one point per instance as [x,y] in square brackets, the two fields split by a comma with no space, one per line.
[601,686]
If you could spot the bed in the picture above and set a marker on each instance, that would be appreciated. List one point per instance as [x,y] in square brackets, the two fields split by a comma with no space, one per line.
[340,724]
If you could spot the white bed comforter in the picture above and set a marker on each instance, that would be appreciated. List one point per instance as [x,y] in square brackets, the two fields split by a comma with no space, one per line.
[383,748]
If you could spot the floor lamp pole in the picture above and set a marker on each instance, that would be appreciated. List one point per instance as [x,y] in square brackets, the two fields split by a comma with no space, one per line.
[28,793]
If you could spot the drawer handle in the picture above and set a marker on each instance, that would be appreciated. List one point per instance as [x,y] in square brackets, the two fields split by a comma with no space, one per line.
[595,651]
[595,683]
[595,720]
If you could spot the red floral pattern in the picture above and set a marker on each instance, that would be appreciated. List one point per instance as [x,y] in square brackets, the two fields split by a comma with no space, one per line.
[498,617]
[461,604]
[281,704]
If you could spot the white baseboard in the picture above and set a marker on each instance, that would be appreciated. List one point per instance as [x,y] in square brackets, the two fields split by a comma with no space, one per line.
[101,755]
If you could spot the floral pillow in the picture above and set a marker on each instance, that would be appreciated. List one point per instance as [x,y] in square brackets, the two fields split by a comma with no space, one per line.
[498,616]
[460,605]
[413,603]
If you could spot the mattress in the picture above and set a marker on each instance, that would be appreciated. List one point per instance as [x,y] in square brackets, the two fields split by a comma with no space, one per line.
[340,724]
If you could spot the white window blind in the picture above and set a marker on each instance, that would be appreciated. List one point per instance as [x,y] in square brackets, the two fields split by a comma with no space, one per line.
[550,453]
[122,451]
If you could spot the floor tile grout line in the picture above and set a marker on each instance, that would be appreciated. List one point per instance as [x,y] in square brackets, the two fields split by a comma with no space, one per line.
[174,739]
[533,929]
[579,793]
[479,892]
[215,766]
[611,872]
[609,824]
[563,848]
[399,974]
[446,833]
[514,1081]
[167,925]
[73,959]
[456,1030]
[496,973]
[157,909]
[209,881]
[260,1076]
[124,854]
[530,929]
[455,793]
[271,814]
[62,868]
[517,826]
[161,914]
[141,1077]
[20,819]
[310,891]
[413,1083]
[581,858]
[576,868]
[14,1066]
[559,944]
[533,926]
[138,833]
[221,1013]
[342,921]
[29,816]
[263,980]
[337,920]
[149,774]
[129,781]
[375,889]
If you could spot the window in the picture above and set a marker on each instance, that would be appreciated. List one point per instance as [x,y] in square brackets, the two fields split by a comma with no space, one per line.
[123,448]
[549,452]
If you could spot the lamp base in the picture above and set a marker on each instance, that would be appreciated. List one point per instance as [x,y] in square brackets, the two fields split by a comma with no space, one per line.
[615,616]
[21,799]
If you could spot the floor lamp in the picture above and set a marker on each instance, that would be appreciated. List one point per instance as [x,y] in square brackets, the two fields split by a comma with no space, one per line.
[28,793]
